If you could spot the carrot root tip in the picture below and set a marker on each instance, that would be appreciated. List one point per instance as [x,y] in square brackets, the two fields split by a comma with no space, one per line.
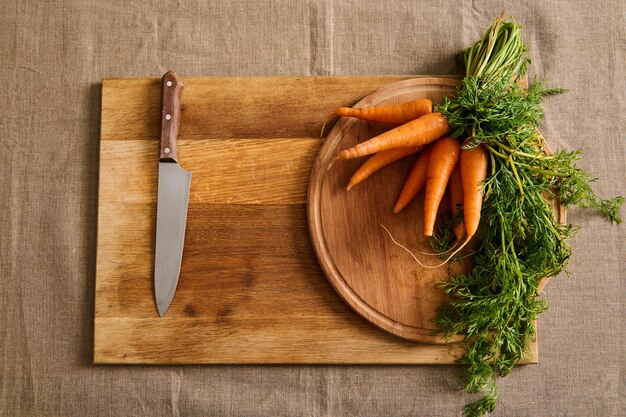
[328,116]
[402,246]
[417,260]
[467,239]
[332,162]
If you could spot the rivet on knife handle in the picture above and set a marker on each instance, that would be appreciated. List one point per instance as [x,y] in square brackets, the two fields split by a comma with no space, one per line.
[171,91]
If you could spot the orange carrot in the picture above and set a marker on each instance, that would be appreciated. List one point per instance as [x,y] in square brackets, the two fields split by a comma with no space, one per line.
[414,182]
[395,114]
[473,164]
[455,191]
[443,158]
[417,132]
[378,161]
[473,173]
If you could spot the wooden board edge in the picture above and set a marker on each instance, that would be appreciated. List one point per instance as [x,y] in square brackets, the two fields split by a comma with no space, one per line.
[445,358]
[98,229]
[109,80]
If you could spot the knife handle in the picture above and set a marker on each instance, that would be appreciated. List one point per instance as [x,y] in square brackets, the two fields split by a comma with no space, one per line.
[171,91]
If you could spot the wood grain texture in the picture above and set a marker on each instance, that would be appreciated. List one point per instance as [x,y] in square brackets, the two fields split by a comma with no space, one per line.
[250,290]
[232,107]
[236,171]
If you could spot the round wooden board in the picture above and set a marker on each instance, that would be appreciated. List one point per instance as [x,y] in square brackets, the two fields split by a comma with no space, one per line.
[376,278]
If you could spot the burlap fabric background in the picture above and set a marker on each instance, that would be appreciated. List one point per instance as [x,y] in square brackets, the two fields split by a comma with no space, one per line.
[52,58]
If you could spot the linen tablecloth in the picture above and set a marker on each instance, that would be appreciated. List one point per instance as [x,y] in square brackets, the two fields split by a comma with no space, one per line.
[53,57]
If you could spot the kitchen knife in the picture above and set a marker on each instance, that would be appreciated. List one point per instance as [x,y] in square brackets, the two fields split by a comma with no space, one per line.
[173,197]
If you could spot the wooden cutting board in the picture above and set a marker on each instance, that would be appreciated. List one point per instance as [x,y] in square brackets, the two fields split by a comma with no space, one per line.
[250,289]
[374,276]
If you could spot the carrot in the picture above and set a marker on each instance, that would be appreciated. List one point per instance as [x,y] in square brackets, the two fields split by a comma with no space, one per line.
[414,182]
[395,114]
[378,161]
[473,163]
[417,132]
[473,173]
[443,158]
[455,191]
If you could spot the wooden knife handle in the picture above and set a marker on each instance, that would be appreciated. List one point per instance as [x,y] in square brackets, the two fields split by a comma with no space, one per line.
[171,91]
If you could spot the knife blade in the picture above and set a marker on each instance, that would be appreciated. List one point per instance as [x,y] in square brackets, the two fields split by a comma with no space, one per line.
[172,199]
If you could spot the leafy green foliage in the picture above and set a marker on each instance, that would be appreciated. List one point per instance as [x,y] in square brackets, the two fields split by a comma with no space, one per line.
[495,305]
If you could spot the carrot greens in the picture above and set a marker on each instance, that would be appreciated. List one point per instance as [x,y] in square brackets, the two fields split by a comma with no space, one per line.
[520,241]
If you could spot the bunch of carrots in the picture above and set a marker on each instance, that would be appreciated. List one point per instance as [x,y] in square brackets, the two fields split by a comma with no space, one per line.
[442,161]
[492,122]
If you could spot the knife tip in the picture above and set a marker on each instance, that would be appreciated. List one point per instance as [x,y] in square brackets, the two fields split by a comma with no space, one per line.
[162,310]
